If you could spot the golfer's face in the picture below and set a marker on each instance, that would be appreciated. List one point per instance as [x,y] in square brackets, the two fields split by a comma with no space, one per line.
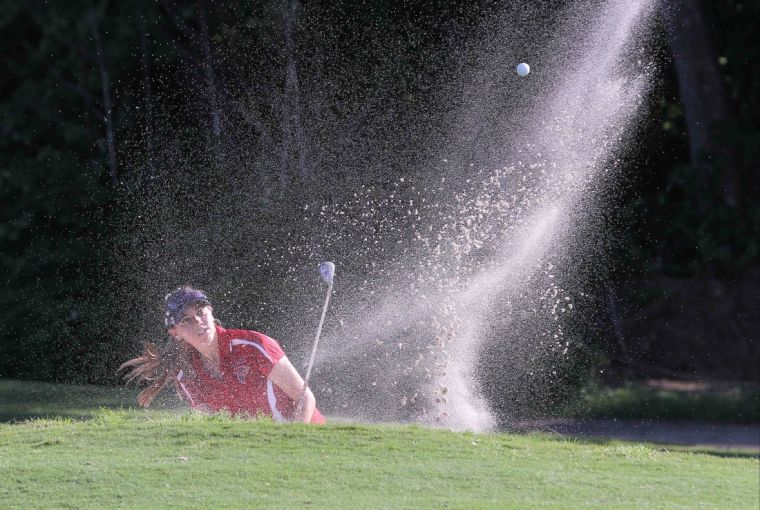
[196,324]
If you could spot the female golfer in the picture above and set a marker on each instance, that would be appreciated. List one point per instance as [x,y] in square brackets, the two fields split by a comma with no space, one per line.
[213,369]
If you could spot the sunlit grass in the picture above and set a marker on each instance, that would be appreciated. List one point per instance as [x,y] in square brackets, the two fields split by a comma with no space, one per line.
[97,450]
[158,460]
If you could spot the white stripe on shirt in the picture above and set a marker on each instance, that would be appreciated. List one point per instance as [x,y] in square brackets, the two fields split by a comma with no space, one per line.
[240,341]
[273,403]
[271,397]
[180,375]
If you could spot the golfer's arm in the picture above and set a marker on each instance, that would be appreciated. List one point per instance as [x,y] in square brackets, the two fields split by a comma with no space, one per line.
[287,378]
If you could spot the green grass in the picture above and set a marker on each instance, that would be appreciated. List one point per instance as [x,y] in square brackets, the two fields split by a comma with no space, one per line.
[137,459]
[159,460]
[727,403]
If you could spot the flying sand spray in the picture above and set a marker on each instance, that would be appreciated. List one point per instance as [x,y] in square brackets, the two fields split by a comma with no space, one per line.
[327,272]
[429,294]
[463,326]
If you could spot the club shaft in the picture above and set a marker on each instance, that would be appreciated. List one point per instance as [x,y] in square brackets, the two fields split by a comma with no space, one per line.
[299,407]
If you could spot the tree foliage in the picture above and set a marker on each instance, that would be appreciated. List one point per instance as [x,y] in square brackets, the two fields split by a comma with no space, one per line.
[90,92]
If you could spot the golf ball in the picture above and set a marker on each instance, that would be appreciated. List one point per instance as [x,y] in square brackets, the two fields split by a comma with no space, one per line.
[523,69]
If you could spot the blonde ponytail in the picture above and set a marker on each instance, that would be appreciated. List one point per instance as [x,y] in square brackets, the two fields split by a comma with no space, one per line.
[156,366]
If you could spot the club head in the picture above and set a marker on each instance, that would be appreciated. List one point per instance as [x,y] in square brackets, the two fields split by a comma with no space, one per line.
[327,271]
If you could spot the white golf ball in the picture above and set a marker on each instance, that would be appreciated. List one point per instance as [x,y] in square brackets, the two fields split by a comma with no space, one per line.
[523,69]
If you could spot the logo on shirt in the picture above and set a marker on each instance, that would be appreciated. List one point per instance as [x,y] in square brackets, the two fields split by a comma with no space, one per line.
[241,372]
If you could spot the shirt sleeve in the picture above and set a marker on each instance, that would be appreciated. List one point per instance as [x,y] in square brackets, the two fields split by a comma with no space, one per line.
[261,352]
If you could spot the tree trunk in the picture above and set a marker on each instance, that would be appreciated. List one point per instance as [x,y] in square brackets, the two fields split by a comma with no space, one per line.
[92,18]
[297,119]
[147,92]
[293,147]
[699,86]
[208,69]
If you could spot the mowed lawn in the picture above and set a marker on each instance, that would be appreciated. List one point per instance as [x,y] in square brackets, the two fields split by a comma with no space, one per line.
[161,460]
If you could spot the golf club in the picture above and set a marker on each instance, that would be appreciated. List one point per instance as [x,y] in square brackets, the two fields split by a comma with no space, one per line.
[327,271]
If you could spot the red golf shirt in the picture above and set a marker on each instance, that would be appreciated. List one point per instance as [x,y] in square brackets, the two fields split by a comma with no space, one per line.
[243,386]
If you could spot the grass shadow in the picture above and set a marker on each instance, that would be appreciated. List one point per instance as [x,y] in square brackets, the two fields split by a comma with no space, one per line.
[24,400]
[714,402]
[724,452]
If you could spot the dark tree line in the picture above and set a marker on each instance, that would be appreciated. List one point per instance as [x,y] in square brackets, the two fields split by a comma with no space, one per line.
[90,91]
[691,309]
